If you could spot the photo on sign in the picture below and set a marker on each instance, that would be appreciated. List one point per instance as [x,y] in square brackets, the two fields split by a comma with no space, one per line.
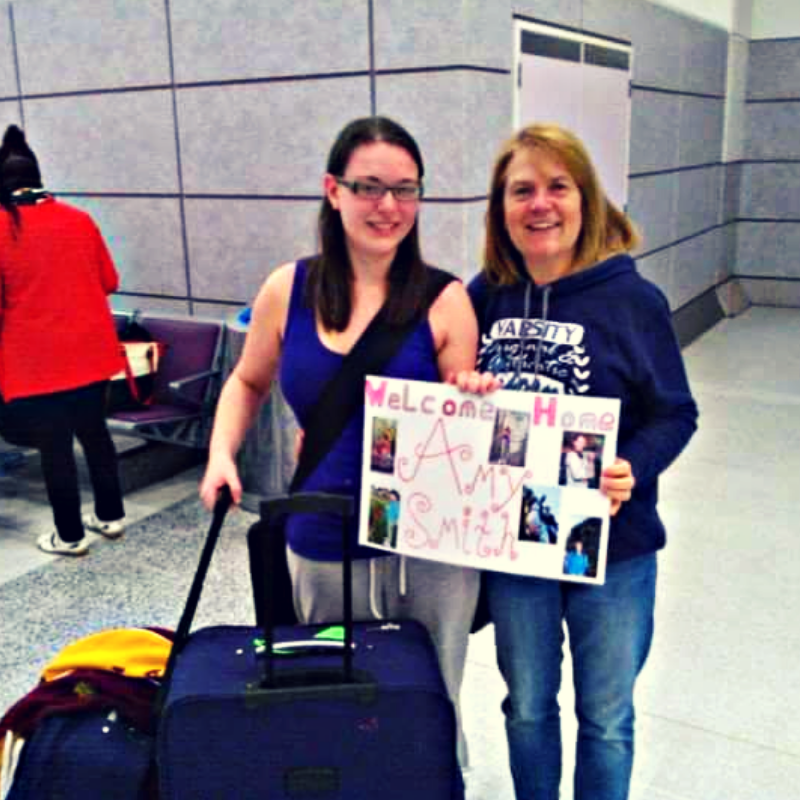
[581,459]
[539,517]
[384,445]
[384,516]
[583,548]
[510,437]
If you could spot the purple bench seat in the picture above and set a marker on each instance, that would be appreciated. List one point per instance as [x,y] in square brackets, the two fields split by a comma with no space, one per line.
[187,384]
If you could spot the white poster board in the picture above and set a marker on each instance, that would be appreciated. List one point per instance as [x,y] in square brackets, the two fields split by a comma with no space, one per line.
[504,482]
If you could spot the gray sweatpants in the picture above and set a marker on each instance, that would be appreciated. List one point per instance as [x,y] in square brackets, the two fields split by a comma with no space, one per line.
[440,596]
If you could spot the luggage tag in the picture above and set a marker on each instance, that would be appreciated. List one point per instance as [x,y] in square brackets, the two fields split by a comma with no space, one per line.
[327,641]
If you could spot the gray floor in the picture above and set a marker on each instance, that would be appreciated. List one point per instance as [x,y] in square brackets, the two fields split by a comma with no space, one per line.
[717,703]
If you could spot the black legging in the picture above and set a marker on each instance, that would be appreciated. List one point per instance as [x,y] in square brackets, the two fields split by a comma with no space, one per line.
[50,423]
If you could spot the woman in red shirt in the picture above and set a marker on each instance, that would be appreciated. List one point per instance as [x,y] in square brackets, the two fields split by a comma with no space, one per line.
[58,345]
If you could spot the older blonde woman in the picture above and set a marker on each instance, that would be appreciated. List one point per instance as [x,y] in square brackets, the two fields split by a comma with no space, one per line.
[561,308]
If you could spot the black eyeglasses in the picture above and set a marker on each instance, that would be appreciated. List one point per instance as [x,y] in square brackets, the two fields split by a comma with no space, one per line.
[404,193]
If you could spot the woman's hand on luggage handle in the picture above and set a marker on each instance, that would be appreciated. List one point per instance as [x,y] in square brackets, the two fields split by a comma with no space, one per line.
[221,471]
[617,482]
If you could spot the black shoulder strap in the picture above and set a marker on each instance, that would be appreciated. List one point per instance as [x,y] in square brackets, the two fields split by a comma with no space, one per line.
[343,393]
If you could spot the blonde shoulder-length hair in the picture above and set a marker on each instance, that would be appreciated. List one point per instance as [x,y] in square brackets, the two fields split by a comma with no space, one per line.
[605,229]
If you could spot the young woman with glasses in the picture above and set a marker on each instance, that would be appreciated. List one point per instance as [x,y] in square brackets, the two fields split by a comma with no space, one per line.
[308,315]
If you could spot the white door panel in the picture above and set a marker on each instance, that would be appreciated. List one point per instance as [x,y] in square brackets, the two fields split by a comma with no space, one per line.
[582,82]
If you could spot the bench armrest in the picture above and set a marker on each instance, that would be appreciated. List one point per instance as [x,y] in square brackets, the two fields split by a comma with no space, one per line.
[177,386]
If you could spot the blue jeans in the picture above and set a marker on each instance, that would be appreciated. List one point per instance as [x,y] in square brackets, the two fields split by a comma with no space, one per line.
[610,631]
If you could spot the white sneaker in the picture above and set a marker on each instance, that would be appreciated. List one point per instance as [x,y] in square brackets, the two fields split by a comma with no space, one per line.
[111,530]
[53,543]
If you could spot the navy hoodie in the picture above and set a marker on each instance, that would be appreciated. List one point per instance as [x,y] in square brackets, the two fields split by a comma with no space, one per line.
[600,332]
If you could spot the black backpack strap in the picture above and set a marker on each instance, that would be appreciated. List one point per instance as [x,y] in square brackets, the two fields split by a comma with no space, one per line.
[343,393]
[338,401]
[438,281]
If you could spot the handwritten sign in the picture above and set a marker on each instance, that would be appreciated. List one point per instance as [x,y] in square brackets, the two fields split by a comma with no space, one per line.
[507,481]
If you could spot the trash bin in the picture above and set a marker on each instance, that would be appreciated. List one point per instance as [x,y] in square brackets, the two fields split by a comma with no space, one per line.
[266,459]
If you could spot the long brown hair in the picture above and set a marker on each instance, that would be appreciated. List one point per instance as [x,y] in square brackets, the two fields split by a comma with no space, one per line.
[605,229]
[328,282]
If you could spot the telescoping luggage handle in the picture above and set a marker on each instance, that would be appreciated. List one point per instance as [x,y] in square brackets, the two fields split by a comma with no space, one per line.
[224,502]
[274,509]
[308,502]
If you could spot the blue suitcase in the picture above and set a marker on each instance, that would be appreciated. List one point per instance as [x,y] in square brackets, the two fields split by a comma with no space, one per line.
[320,712]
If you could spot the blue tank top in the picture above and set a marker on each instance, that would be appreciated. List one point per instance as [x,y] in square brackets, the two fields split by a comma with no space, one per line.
[306,366]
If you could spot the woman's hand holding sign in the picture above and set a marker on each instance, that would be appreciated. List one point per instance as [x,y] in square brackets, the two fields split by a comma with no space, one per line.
[475,382]
[616,483]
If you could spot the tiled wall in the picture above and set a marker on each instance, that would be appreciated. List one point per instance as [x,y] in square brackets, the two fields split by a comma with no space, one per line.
[196,131]
[768,231]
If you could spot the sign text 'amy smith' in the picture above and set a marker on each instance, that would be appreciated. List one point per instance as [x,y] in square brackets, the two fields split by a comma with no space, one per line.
[544,412]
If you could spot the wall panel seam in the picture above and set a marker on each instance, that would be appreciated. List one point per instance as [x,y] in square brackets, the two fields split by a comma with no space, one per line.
[775,39]
[156,87]
[675,170]
[443,68]
[373,89]
[677,92]
[781,278]
[17,74]
[684,239]
[757,161]
[771,100]
[192,301]
[179,164]
[263,80]
[768,219]
[303,198]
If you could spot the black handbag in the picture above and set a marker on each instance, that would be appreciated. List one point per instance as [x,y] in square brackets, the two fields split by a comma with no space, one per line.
[17,428]
[339,399]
